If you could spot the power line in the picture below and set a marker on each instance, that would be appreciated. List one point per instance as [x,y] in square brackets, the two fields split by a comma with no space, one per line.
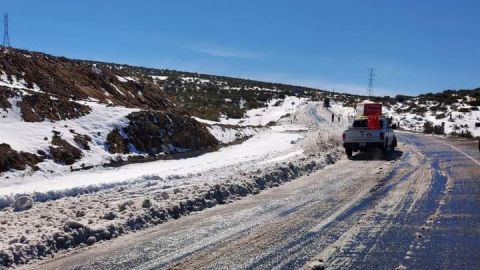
[371,74]
[6,38]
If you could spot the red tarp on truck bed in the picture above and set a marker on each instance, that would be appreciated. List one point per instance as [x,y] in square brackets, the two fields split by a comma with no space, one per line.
[372,109]
[373,122]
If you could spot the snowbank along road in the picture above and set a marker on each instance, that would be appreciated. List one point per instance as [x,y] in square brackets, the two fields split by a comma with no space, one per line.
[419,211]
[72,210]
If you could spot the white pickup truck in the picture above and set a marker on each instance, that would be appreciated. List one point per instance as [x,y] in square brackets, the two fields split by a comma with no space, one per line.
[361,137]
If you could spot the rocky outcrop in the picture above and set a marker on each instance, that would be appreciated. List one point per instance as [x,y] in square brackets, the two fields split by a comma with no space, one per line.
[11,159]
[63,152]
[155,132]
[165,132]
[82,141]
[5,94]
[38,107]
[116,144]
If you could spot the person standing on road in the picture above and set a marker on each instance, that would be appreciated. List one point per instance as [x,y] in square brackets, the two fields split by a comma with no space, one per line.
[333,117]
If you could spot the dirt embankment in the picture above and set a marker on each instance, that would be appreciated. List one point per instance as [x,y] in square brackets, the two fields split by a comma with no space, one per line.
[49,88]
[76,80]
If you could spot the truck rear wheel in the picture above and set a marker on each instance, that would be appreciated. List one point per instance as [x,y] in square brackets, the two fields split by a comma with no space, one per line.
[388,152]
[349,152]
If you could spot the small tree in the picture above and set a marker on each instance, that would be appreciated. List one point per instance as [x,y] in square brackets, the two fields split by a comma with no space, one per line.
[428,127]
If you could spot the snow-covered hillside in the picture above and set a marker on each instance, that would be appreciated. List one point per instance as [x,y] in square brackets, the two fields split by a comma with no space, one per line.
[31,137]
[455,119]
[34,136]
[89,114]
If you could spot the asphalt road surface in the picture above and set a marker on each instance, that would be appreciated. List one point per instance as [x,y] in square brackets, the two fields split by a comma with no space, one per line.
[419,211]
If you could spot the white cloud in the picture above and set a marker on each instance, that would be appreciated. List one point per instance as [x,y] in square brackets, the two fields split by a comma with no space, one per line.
[218,51]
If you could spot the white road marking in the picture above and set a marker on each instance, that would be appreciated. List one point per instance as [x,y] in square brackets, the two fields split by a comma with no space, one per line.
[461,152]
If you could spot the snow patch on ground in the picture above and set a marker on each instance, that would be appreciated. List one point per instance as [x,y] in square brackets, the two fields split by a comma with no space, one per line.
[230,134]
[125,79]
[275,110]
[16,83]
[453,120]
[193,79]
[33,136]
[159,78]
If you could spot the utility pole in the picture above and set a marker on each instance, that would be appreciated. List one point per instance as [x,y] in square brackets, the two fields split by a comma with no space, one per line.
[371,74]
[6,38]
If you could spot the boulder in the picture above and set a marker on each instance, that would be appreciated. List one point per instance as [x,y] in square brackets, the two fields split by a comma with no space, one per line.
[109,216]
[72,224]
[23,203]
[91,240]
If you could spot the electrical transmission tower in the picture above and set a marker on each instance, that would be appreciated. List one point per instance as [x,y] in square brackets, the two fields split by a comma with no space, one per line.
[6,38]
[371,74]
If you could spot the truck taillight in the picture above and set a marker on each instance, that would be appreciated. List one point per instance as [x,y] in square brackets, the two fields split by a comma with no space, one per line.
[344,136]
[382,136]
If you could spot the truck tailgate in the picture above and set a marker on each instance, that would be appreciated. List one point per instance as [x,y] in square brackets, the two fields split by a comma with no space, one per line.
[360,135]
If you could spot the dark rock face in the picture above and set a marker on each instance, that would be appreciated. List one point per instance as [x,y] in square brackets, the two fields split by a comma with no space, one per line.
[11,159]
[154,132]
[82,141]
[63,152]
[116,144]
[5,94]
[38,107]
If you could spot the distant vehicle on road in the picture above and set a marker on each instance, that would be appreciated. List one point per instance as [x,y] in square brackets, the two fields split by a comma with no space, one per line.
[369,131]
[326,103]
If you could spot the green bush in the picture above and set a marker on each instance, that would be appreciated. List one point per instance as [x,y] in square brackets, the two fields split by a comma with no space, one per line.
[429,128]
[463,134]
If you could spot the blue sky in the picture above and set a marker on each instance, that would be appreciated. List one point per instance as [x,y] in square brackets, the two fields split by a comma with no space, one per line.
[415,46]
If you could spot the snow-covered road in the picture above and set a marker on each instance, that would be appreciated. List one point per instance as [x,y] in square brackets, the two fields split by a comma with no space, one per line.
[108,202]
[357,214]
